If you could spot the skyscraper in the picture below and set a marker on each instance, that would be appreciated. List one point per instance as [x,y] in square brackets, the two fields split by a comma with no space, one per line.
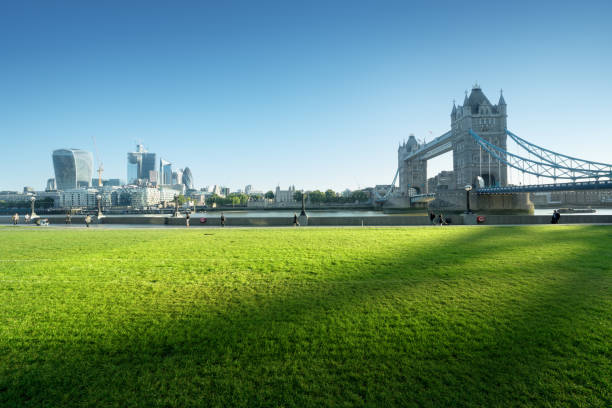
[73,168]
[140,163]
[51,186]
[165,172]
[187,178]
[177,177]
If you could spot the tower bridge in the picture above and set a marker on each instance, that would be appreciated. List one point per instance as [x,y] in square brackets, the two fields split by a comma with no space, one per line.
[469,163]
[478,139]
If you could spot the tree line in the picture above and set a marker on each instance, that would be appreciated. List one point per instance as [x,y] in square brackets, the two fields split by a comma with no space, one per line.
[44,203]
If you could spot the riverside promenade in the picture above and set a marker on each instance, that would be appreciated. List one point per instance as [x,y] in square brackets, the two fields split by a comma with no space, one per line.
[367,221]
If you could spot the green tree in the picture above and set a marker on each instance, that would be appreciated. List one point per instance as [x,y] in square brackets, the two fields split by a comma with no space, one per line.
[360,196]
[215,199]
[330,196]
[297,196]
[269,195]
[182,199]
[316,196]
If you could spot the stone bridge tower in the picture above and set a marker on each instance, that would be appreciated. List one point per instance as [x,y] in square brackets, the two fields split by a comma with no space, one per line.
[412,173]
[489,122]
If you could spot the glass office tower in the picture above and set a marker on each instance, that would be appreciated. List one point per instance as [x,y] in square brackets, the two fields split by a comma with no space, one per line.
[187,178]
[139,165]
[73,168]
[165,172]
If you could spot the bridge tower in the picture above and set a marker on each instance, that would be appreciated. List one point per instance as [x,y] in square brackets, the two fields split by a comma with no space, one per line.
[412,173]
[489,122]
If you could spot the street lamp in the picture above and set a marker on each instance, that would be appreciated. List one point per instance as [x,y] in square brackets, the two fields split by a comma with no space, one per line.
[303,213]
[468,188]
[176,202]
[99,197]
[33,215]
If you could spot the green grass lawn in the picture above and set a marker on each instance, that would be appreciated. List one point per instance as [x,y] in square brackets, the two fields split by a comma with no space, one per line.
[482,316]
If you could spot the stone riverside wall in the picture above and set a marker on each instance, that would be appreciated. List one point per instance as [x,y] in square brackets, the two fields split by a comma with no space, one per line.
[455,200]
[395,220]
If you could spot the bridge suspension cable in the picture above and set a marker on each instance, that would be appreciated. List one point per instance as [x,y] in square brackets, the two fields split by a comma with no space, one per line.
[555,165]
[389,190]
[562,161]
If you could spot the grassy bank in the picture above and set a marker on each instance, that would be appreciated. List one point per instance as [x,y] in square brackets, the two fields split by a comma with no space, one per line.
[491,316]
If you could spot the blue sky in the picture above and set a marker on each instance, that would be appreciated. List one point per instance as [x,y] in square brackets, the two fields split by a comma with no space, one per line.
[316,94]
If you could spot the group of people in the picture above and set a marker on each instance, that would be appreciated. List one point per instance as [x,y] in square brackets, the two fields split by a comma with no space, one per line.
[555,217]
[438,220]
[26,218]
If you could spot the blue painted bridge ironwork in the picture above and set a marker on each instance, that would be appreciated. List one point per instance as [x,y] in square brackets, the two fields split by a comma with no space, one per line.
[582,185]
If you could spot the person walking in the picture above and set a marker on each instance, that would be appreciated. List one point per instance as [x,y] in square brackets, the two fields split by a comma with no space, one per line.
[187,217]
[222,220]
[555,217]
[15,219]
[88,220]
[432,218]
[441,219]
[27,218]
[295,220]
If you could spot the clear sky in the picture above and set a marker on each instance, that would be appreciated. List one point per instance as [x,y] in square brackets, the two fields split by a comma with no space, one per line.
[312,93]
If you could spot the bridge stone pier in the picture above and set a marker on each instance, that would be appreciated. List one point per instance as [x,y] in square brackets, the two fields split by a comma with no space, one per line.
[469,159]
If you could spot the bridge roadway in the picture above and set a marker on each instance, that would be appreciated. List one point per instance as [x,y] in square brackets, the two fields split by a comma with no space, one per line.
[438,146]
[582,185]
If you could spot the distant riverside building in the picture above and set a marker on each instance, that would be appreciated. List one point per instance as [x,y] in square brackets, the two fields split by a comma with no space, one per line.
[284,196]
[51,186]
[106,182]
[13,196]
[111,182]
[136,197]
[248,189]
[165,172]
[218,190]
[187,178]
[139,165]
[144,197]
[81,198]
[73,168]
[442,181]
[167,193]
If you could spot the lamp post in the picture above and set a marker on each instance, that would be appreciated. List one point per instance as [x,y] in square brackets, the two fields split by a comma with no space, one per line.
[303,213]
[99,197]
[33,215]
[467,188]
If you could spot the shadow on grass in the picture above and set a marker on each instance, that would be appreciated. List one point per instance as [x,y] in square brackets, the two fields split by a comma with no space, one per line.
[388,336]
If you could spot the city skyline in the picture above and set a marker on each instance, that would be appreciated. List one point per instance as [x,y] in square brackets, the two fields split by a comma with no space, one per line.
[279,94]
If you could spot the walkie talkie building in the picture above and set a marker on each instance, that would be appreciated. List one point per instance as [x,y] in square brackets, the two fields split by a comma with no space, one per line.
[73,168]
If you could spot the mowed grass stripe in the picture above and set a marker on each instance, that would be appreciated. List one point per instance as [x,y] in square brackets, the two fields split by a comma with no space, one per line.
[307,317]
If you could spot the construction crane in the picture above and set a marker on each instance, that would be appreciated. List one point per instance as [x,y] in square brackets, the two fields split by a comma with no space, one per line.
[100,166]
